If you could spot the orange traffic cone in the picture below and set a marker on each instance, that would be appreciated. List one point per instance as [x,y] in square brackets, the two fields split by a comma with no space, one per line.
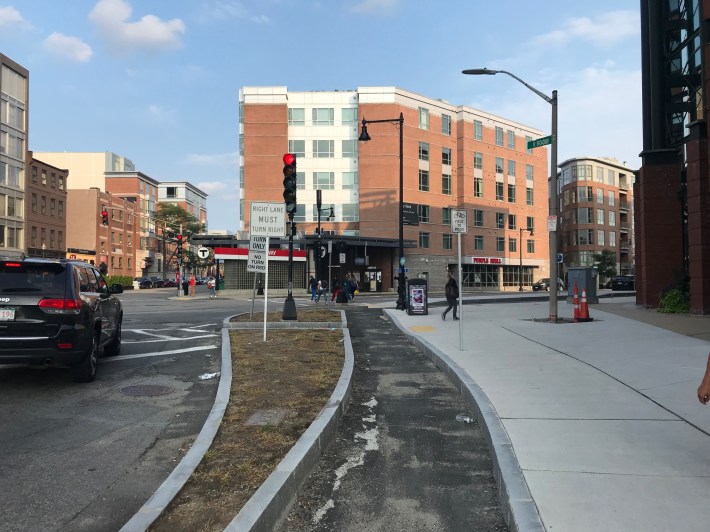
[576,303]
[583,308]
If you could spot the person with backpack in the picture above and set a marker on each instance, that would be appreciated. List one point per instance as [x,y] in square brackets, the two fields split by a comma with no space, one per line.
[451,291]
[313,285]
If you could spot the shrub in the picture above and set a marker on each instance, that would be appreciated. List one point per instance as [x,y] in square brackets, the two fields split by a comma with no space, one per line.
[675,301]
[125,281]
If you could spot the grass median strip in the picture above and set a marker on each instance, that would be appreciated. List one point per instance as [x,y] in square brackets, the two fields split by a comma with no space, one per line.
[292,374]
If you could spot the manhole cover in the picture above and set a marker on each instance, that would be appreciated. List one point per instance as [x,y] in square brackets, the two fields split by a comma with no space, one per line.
[146,390]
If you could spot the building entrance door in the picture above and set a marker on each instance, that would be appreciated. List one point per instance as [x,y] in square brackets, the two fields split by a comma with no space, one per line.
[372,281]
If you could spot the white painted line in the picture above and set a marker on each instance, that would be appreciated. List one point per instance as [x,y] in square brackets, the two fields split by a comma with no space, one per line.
[160,353]
[167,339]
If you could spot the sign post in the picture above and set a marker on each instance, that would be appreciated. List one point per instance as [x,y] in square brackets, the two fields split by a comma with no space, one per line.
[266,220]
[544,141]
[459,225]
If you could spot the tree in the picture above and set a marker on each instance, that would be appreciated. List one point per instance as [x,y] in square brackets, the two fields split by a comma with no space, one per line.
[170,218]
[605,263]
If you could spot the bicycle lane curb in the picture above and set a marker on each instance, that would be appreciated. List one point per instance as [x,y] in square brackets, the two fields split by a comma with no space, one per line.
[519,509]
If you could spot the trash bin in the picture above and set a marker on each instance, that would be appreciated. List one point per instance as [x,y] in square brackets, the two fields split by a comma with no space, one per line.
[586,279]
[417,297]
[185,287]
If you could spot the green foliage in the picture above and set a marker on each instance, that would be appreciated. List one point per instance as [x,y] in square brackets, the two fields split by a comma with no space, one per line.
[605,263]
[169,218]
[124,280]
[675,301]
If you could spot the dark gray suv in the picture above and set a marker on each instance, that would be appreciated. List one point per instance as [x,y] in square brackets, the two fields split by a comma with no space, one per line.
[57,313]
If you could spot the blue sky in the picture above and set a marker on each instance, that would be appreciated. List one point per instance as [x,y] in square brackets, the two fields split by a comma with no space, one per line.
[157,81]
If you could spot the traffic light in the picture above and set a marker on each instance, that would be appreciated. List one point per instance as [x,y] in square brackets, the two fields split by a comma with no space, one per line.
[179,247]
[179,240]
[104,217]
[290,184]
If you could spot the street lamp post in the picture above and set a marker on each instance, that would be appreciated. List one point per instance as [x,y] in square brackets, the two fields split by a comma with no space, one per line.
[364,136]
[520,275]
[552,100]
[319,203]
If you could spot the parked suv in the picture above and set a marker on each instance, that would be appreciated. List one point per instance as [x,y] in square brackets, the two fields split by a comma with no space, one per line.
[57,313]
[623,282]
[544,284]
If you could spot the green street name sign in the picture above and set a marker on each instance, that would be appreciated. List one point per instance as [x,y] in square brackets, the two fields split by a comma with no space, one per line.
[544,141]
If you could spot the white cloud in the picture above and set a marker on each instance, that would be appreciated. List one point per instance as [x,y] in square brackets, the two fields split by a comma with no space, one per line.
[604,30]
[12,19]
[226,10]
[149,34]
[67,48]
[373,6]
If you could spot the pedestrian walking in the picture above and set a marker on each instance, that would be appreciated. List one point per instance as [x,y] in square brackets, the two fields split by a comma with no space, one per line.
[322,289]
[193,282]
[313,285]
[211,285]
[336,289]
[451,290]
[704,388]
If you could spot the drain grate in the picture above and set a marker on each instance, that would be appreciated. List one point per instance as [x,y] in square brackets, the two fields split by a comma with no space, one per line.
[142,390]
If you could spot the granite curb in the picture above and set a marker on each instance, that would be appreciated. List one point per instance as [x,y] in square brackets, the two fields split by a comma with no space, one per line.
[269,506]
[167,491]
[519,509]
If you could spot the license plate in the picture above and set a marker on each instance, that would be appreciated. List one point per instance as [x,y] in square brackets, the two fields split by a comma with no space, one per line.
[7,314]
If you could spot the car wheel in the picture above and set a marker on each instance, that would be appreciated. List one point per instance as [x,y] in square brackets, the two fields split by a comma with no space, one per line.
[85,370]
[114,346]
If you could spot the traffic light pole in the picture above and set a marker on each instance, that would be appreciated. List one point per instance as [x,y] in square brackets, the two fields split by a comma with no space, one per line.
[289,311]
[290,185]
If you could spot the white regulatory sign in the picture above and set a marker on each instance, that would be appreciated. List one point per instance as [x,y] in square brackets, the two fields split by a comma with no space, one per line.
[203,253]
[458,221]
[267,219]
[258,243]
[257,262]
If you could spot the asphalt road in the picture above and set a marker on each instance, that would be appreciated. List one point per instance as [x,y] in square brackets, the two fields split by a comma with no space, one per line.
[401,461]
[87,456]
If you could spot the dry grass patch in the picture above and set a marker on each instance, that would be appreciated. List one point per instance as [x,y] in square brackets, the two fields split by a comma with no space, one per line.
[295,370]
[314,314]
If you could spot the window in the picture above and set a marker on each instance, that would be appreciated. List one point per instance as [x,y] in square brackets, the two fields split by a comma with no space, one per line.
[499,136]
[600,237]
[529,172]
[478,160]
[511,139]
[512,221]
[423,240]
[349,148]
[512,245]
[611,177]
[446,127]
[297,147]
[477,218]
[348,115]
[423,212]
[600,216]
[511,167]
[528,138]
[612,218]
[34,202]
[446,156]
[44,177]
[424,180]
[477,130]
[53,180]
[612,198]
[511,192]
[34,174]
[52,207]
[585,237]
[600,174]
[300,181]
[350,212]
[500,220]
[324,180]
[323,116]
[531,246]
[447,241]
[323,148]
[500,243]
[529,196]
[300,214]
[34,237]
[477,187]
[478,242]
[423,151]
[530,223]
[446,184]
[585,215]
[424,119]
[350,181]
[600,196]
[499,191]
[446,215]
[499,165]
[612,239]
[43,205]
[297,117]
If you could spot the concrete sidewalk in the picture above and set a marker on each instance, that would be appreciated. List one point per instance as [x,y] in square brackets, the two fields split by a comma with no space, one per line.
[602,416]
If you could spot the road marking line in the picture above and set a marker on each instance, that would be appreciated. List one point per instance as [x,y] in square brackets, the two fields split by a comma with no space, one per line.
[160,353]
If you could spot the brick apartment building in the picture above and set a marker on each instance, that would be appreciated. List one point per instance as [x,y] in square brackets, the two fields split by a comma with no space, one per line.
[46,217]
[454,157]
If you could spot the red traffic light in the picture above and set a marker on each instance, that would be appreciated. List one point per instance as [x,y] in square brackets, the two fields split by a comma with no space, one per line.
[179,238]
[104,213]
[289,159]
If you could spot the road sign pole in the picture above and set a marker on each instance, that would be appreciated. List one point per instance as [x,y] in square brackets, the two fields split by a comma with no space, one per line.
[460,297]
[266,288]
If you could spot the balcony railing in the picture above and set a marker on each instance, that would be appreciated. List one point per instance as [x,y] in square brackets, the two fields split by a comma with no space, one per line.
[624,228]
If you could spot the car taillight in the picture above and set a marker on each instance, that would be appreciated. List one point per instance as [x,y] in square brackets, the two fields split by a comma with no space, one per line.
[61,306]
